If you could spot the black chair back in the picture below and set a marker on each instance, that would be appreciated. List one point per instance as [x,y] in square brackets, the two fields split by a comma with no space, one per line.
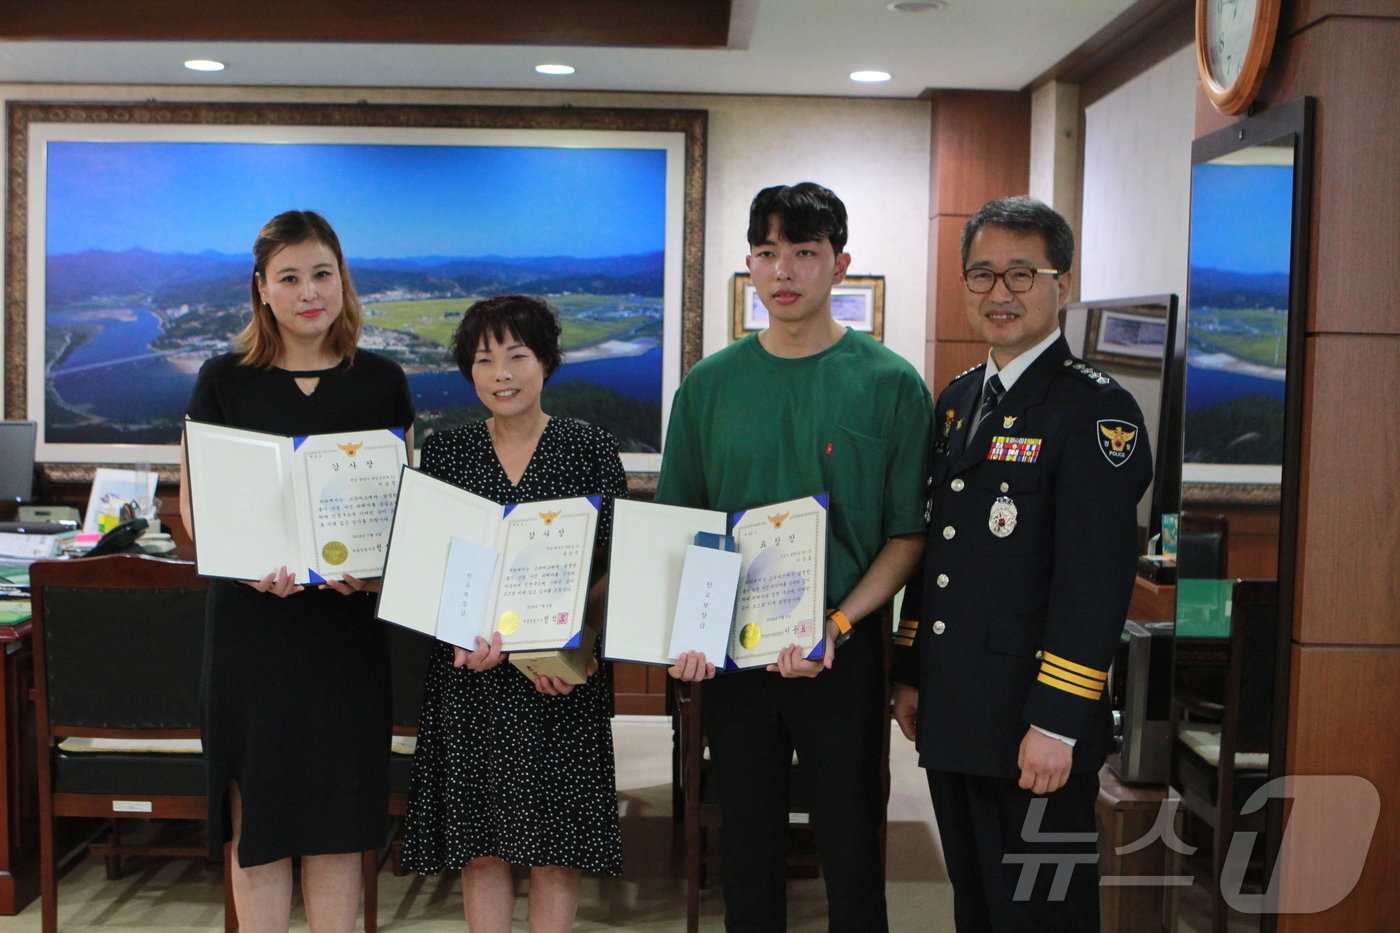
[123,659]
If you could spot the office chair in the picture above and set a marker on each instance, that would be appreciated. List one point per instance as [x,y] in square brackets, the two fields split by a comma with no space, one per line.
[118,644]
[1221,749]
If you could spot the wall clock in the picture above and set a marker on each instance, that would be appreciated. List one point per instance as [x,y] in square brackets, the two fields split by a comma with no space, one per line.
[1234,41]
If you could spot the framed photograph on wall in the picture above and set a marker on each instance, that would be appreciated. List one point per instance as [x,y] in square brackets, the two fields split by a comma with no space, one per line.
[1130,335]
[128,263]
[858,302]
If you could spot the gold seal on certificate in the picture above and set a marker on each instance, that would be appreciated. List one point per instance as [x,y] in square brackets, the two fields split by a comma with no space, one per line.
[508,622]
[750,635]
[334,553]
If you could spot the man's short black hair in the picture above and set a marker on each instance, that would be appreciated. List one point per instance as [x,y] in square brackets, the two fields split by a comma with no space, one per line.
[806,212]
[1025,215]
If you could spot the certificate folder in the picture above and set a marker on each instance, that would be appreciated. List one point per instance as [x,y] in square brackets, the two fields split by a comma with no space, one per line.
[778,592]
[461,566]
[318,504]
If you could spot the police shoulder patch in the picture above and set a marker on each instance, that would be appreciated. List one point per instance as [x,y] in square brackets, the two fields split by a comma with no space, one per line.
[1117,440]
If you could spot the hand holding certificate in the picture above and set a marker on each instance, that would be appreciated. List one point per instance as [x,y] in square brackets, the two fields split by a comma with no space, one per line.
[319,504]
[462,567]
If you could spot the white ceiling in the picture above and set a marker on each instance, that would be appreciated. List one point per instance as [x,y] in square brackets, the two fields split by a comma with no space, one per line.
[775,47]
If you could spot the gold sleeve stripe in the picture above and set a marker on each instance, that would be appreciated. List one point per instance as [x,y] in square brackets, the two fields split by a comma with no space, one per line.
[1054,671]
[1069,688]
[1077,668]
[903,642]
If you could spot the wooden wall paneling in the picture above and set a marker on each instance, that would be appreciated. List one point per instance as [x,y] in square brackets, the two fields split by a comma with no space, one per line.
[660,23]
[1348,64]
[639,689]
[950,319]
[1344,712]
[950,358]
[1253,539]
[1347,588]
[1297,15]
[981,148]
[980,145]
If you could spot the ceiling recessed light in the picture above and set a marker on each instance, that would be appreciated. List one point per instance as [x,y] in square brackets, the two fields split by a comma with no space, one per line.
[915,6]
[204,64]
[869,76]
[555,69]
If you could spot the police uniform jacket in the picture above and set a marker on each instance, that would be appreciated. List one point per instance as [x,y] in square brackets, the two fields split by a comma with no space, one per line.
[1032,549]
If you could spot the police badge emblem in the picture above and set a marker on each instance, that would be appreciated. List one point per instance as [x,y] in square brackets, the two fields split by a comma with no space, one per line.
[1117,440]
[1002,520]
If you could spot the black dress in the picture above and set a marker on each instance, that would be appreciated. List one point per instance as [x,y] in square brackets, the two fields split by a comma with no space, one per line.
[296,690]
[501,769]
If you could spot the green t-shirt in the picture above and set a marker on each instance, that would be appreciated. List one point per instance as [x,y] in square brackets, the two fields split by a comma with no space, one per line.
[748,428]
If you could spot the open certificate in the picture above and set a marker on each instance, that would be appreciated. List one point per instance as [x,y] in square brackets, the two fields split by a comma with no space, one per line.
[461,566]
[667,595]
[319,504]
[782,587]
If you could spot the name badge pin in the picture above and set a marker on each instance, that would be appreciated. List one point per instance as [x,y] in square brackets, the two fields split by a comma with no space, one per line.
[1002,520]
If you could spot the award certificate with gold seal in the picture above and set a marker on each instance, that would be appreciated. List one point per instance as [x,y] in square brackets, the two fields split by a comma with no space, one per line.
[660,603]
[319,504]
[782,585]
[461,567]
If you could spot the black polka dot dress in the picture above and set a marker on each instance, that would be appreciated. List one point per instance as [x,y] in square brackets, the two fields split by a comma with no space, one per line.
[501,769]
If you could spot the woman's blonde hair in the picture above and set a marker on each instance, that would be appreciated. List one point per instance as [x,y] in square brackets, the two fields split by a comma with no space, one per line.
[260,343]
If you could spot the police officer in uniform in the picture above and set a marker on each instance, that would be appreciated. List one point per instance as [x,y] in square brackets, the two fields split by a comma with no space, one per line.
[1007,632]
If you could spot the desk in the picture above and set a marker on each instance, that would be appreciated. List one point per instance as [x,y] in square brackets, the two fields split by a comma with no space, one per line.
[1152,602]
[19,803]
[1125,813]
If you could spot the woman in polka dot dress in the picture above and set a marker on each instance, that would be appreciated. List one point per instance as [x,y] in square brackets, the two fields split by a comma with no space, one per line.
[507,772]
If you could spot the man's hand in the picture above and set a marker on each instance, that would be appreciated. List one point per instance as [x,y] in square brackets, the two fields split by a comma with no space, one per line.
[905,700]
[1044,762]
[486,656]
[793,663]
[692,666]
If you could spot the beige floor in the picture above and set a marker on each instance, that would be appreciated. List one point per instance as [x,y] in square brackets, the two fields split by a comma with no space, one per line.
[160,895]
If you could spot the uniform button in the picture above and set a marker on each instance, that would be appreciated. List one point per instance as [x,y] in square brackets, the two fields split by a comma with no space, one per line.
[942,580]
[1039,655]
[938,627]
[949,531]
[1005,487]
[957,485]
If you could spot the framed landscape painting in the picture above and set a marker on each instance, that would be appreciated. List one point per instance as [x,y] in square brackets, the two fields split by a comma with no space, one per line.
[128,258]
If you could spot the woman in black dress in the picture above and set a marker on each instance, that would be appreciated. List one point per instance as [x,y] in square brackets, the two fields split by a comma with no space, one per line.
[507,772]
[296,679]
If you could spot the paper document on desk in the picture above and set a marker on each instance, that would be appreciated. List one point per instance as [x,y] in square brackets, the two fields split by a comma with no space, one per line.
[320,505]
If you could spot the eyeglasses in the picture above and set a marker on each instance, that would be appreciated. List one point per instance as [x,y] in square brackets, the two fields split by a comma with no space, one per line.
[1017,278]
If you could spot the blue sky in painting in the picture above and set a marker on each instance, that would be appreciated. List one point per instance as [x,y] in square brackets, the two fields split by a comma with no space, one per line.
[1241,217]
[384,201]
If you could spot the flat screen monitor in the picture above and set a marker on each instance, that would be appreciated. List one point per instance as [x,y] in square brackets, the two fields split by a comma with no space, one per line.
[17,460]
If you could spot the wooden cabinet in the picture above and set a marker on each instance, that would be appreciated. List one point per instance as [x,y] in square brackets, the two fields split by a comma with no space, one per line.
[19,807]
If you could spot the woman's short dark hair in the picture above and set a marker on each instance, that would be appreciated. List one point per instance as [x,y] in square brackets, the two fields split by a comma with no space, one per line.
[260,342]
[531,320]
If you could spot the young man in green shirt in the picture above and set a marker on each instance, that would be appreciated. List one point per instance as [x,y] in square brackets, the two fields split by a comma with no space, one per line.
[805,407]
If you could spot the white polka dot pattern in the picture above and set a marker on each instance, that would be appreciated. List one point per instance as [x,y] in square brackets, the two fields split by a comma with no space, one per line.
[500,768]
